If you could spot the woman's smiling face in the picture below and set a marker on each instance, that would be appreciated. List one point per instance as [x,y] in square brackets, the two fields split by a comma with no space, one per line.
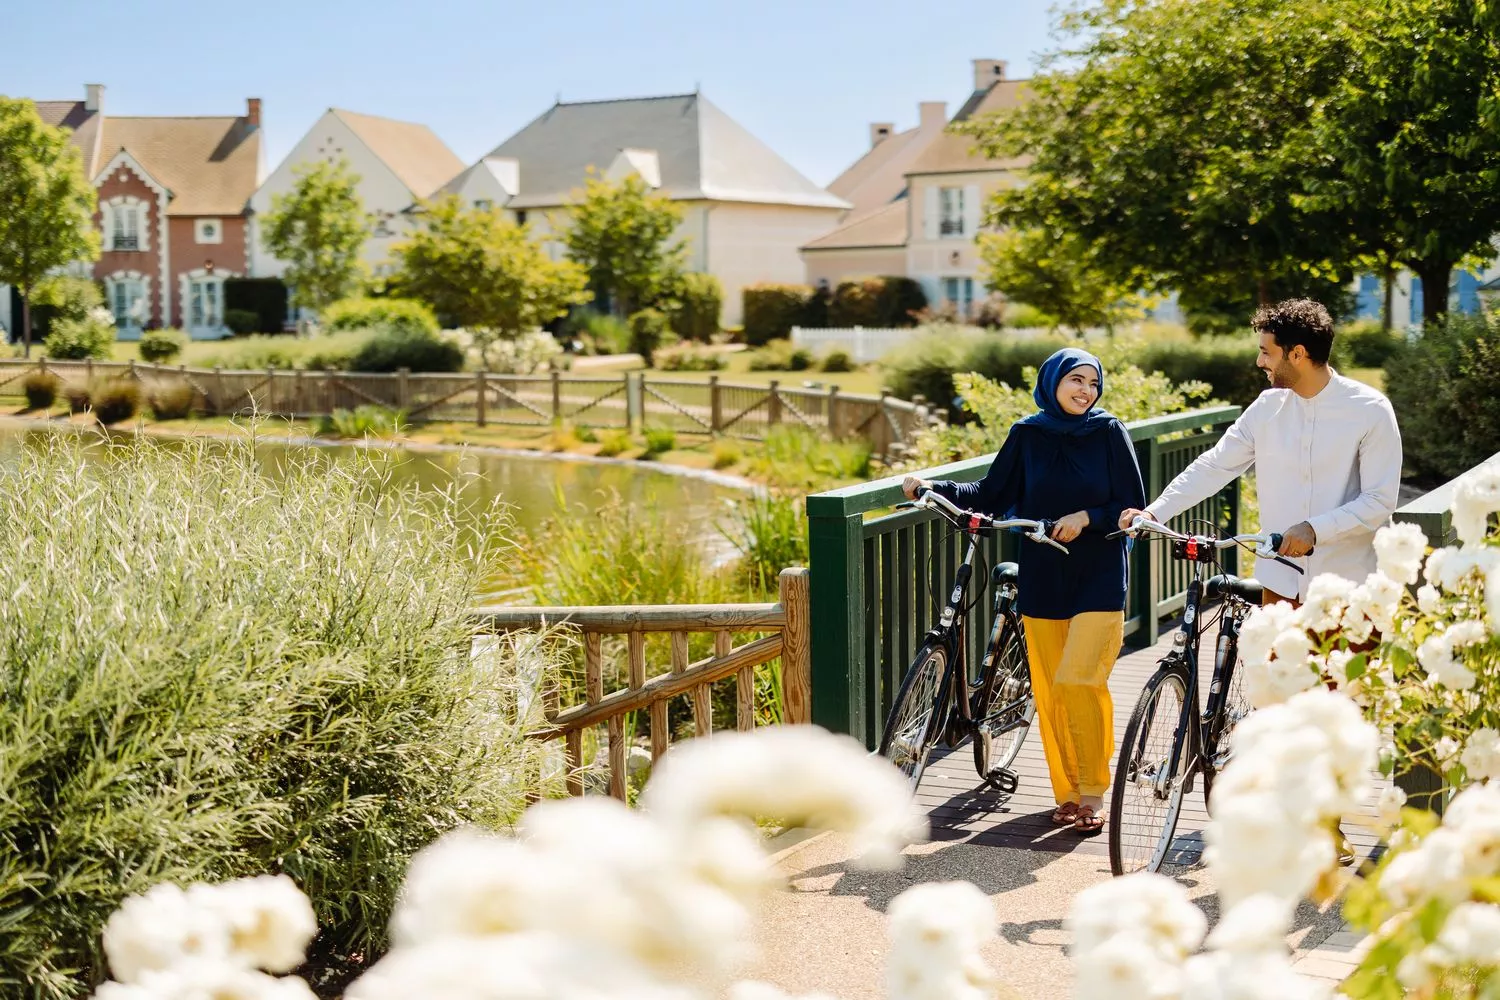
[1078,390]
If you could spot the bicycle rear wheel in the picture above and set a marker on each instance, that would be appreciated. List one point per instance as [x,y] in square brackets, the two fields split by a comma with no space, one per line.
[1146,800]
[916,717]
[1003,721]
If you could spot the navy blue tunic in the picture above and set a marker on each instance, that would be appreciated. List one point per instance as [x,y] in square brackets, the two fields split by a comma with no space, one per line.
[1043,475]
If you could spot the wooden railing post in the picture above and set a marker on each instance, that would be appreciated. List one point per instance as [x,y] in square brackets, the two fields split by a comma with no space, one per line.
[480,392]
[835,540]
[773,405]
[403,388]
[715,405]
[796,650]
[270,389]
[634,403]
[299,389]
[219,398]
[556,396]
[833,412]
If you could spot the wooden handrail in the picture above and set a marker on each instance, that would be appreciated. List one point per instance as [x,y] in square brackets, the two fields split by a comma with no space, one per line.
[616,619]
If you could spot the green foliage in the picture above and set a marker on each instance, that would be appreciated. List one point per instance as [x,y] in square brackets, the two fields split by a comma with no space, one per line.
[699,301]
[233,698]
[79,398]
[319,229]
[162,346]
[115,400]
[93,336]
[877,302]
[1225,363]
[601,332]
[1058,274]
[65,296]
[648,331]
[621,234]
[770,311]
[266,297]
[614,442]
[241,321]
[770,534]
[361,422]
[1364,344]
[405,316]
[726,452]
[837,360]
[796,458]
[659,441]
[479,271]
[1020,316]
[1445,389]
[393,349]
[40,389]
[330,352]
[47,221]
[688,357]
[781,356]
[173,401]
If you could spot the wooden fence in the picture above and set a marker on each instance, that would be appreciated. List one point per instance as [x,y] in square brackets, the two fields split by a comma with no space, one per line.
[787,637]
[630,401]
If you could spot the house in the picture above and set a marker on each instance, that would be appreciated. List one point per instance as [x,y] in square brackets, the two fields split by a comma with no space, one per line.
[746,211]
[398,164]
[925,227]
[173,207]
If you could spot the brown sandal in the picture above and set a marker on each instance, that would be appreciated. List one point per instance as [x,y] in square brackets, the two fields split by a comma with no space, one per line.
[1089,823]
[1065,814]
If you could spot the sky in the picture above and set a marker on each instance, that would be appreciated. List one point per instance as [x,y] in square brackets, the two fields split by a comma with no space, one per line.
[806,77]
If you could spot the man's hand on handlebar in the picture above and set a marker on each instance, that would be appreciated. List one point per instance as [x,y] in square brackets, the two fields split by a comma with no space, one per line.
[1129,514]
[1070,527]
[911,484]
[1298,540]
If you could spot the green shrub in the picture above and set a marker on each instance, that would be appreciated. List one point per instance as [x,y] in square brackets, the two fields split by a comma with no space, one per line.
[586,434]
[174,400]
[612,443]
[1445,389]
[361,422]
[162,346]
[1364,344]
[241,321]
[393,315]
[837,360]
[231,699]
[726,452]
[659,441]
[648,332]
[689,357]
[71,339]
[79,398]
[700,300]
[603,333]
[878,302]
[797,458]
[116,400]
[1020,316]
[770,534]
[62,296]
[781,356]
[770,311]
[328,352]
[1225,363]
[392,349]
[266,297]
[41,389]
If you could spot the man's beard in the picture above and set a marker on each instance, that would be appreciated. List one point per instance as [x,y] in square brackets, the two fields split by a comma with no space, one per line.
[1283,376]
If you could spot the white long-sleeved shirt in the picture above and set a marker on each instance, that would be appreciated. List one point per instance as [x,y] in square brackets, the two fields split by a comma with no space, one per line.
[1333,461]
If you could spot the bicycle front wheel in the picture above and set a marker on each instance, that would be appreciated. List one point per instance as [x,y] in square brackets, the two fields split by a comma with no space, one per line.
[1003,721]
[1147,799]
[915,720]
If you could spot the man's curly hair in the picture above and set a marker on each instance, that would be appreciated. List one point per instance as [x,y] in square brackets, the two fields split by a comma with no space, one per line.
[1298,321]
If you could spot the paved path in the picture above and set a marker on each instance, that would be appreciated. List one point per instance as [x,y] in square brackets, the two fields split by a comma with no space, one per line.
[828,933]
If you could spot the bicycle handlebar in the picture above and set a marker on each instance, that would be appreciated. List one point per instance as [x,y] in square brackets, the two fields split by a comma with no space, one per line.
[970,520]
[1266,543]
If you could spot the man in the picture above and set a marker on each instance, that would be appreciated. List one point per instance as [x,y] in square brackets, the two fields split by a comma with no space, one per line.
[1327,458]
[1326,452]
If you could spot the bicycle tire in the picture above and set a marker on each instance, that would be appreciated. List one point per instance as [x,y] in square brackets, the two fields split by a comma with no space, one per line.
[909,736]
[1235,706]
[998,738]
[1143,820]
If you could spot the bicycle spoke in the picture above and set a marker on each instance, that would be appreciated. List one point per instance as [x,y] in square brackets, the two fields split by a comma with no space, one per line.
[1007,717]
[911,729]
[1147,797]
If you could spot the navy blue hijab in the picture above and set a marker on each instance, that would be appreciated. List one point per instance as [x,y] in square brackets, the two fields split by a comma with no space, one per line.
[1052,417]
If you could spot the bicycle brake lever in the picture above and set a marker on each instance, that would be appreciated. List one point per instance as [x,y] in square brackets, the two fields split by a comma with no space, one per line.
[1117,534]
[1287,562]
[1040,537]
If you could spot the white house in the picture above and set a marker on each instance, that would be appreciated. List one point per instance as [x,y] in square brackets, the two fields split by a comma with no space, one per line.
[398,164]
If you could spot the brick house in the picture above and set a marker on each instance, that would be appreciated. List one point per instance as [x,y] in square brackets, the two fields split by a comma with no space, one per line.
[173,211]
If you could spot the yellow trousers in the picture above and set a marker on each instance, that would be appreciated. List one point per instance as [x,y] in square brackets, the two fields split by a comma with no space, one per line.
[1070,664]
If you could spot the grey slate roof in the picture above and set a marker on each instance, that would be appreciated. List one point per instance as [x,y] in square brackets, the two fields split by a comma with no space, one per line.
[703,153]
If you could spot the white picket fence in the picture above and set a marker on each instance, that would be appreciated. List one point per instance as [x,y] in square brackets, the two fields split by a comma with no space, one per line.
[871,343]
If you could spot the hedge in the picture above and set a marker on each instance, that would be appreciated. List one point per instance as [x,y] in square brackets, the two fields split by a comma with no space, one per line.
[265,297]
[772,310]
[876,302]
[1445,389]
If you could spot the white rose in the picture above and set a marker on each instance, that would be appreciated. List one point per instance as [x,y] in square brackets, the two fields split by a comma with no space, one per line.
[1123,968]
[1429,599]
[1274,681]
[1293,644]
[1475,497]
[1260,629]
[1327,596]
[1445,749]
[1481,756]
[1435,869]
[160,929]
[1389,806]
[1436,657]
[1151,907]
[1471,934]
[936,931]
[270,921]
[1398,551]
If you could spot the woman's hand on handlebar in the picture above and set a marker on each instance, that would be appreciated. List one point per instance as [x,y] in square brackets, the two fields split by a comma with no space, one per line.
[911,484]
[1068,528]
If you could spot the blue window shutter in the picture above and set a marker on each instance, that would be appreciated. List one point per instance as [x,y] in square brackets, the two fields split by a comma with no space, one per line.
[1416,300]
[1368,301]
[1468,293]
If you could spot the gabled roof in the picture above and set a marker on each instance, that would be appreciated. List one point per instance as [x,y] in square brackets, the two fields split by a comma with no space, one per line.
[879,176]
[499,173]
[83,123]
[211,166]
[957,153]
[413,152]
[701,153]
[883,227]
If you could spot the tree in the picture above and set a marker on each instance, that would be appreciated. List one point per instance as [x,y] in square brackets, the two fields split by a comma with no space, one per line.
[46,203]
[319,229]
[486,274]
[1058,275]
[1158,138]
[622,236]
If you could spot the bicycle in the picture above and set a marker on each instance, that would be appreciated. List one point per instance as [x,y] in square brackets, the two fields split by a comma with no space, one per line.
[1158,765]
[938,698]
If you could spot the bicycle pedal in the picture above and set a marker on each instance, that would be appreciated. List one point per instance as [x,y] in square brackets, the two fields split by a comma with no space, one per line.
[1003,780]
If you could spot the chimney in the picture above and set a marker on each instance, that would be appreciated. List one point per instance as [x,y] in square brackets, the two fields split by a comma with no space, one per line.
[934,115]
[252,111]
[988,72]
[880,132]
[93,99]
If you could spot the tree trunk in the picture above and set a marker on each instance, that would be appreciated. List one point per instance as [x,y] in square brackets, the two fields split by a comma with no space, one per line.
[1435,276]
[1386,319]
[1262,292]
[26,320]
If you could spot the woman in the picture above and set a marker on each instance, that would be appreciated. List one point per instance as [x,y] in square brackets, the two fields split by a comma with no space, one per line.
[1071,463]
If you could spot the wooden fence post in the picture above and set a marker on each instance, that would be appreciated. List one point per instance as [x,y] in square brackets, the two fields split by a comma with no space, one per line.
[833,411]
[556,396]
[403,389]
[634,415]
[270,389]
[773,405]
[299,404]
[480,392]
[219,399]
[715,405]
[796,647]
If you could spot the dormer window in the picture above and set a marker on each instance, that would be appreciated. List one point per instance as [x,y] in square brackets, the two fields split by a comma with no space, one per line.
[124,220]
[208,231]
[127,231]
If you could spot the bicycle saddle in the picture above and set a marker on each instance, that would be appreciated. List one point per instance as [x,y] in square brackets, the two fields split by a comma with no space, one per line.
[1005,572]
[1224,584]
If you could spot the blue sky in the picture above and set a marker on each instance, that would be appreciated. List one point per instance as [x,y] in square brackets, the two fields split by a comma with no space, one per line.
[807,78]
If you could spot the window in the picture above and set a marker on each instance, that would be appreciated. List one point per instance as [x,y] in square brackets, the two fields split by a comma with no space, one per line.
[209,231]
[483,204]
[203,302]
[959,293]
[951,211]
[127,228]
[127,301]
[520,216]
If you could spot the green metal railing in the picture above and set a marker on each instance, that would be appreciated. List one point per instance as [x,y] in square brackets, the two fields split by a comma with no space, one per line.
[878,583]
